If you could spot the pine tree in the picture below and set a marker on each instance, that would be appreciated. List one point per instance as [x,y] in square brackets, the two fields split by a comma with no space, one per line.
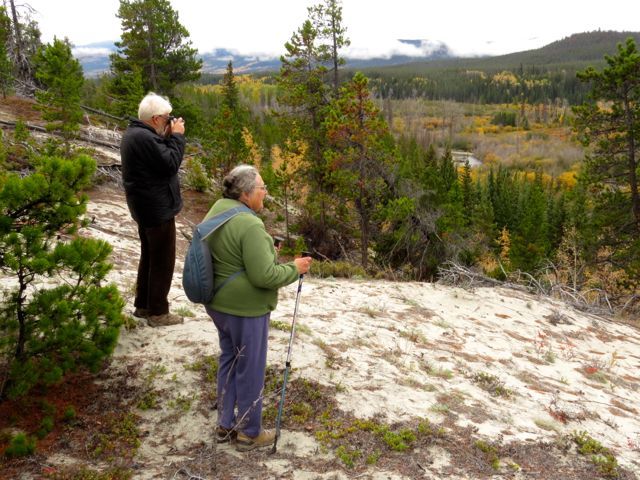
[360,156]
[302,88]
[610,123]
[529,241]
[126,90]
[154,41]
[57,316]
[468,200]
[327,19]
[6,68]
[447,174]
[61,76]
[227,132]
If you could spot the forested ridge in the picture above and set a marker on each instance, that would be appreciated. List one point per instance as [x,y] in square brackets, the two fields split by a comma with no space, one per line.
[545,74]
[361,168]
[538,76]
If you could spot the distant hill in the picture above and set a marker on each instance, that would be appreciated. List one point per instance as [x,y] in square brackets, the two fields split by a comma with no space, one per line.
[543,75]
[575,51]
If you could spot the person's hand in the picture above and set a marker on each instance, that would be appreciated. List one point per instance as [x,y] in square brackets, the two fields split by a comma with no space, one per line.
[177,125]
[303,264]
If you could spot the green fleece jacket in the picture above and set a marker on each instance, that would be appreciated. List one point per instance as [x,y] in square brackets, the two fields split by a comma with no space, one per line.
[243,244]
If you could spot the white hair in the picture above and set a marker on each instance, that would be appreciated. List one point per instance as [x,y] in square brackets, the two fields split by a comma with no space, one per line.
[153,104]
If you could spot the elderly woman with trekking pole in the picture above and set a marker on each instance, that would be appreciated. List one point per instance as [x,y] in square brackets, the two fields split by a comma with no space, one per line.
[247,279]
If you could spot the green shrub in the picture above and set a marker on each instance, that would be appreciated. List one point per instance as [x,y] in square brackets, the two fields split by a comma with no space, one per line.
[20,446]
[45,427]
[504,119]
[196,175]
[59,315]
[600,455]
[327,268]
[69,413]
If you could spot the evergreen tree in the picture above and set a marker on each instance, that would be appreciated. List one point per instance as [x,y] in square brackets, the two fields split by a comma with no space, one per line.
[468,199]
[302,88]
[327,19]
[447,174]
[482,225]
[360,157]
[6,68]
[423,226]
[57,316]
[61,76]
[610,122]
[227,133]
[504,198]
[126,89]
[154,42]
[529,240]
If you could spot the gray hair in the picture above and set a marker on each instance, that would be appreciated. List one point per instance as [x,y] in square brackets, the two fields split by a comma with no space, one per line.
[153,104]
[241,179]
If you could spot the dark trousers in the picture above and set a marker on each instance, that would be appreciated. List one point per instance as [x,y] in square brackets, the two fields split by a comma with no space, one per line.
[155,269]
[241,369]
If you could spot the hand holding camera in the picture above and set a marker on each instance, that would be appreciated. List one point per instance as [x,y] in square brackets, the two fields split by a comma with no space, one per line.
[174,125]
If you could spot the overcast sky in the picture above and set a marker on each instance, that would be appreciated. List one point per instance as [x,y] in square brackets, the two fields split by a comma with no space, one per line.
[468,27]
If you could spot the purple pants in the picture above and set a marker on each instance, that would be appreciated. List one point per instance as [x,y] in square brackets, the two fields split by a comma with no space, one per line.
[241,370]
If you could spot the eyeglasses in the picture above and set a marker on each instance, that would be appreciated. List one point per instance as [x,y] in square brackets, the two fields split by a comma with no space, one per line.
[168,118]
[262,187]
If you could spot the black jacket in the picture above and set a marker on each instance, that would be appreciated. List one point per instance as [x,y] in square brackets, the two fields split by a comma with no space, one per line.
[150,165]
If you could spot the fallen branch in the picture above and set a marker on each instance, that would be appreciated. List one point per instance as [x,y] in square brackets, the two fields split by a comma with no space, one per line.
[82,137]
[452,273]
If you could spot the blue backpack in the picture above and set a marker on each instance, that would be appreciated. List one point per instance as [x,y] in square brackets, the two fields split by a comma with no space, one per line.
[198,274]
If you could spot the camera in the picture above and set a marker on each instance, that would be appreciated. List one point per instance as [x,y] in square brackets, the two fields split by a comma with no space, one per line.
[277,241]
[167,128]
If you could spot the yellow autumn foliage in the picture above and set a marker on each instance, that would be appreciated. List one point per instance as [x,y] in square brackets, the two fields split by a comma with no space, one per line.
[398,124]
[567,179]
[491,158]
[605,277]
[505,77]
[476,73]
[505,246]
[289,160]
[255,155]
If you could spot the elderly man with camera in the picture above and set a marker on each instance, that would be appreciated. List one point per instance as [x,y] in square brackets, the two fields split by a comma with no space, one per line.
[152,150]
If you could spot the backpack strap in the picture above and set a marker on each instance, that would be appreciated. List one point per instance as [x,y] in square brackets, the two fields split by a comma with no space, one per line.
[211,225]
[231,277]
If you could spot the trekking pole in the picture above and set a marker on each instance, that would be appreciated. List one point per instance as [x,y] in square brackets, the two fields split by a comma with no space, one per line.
[287,366]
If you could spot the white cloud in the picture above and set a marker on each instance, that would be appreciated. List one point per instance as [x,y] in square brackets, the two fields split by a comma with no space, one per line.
[389,48]
[259,27]
[84,52]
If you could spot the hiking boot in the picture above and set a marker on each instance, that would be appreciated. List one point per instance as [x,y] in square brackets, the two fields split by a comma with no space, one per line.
[224,435]
[164,320]
[245,443]
[141,312]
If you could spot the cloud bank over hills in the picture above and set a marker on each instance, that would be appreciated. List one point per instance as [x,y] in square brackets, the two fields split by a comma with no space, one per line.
[94,57]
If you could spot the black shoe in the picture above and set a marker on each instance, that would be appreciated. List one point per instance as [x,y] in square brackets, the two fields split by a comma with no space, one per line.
[141,312]
[224,435]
